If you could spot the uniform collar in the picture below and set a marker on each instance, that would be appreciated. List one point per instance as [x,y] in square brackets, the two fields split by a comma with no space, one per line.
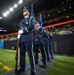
[26,17]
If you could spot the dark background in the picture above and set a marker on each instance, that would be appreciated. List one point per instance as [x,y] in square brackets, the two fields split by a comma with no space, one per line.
[61,44]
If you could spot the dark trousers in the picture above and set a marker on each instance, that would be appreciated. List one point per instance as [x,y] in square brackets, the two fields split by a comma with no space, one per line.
[41,47]
[27,46]
[50,49]
[47,49]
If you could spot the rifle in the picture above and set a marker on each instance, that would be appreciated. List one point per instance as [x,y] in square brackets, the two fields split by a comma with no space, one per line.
[16,57]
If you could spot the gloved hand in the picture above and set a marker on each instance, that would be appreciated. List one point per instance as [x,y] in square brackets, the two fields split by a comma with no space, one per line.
[20,32]
[18,36]
[37,25]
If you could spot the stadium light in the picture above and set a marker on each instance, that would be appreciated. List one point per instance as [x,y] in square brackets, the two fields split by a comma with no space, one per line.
[70,7]
[59,11]
[1,18]
[67,16]
[7,12]
[20,2]
[62,2]
[11,9]
[48,15]
[4,14]
[15,6]
[64,9]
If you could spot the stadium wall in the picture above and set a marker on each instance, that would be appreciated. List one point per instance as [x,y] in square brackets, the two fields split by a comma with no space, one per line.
[64,44]
[61,44]
[10,44]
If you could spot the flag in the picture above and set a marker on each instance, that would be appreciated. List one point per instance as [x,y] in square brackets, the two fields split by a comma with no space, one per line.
[32,12]
[41,21]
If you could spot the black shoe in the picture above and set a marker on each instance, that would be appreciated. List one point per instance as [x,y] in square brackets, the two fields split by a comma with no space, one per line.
[36,63]
[43,66]
[48,60]
[52,57]
[20,72]
[32,73]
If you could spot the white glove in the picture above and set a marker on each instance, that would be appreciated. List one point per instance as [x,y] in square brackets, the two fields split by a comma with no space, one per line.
[37,26]
[20,32]
[18,36]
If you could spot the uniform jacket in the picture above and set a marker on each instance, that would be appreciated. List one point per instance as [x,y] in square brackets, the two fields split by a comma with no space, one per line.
[27,24]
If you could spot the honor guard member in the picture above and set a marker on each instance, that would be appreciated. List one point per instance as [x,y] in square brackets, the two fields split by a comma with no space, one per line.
[25,35]
[46,39]
[39,44]
[50,45]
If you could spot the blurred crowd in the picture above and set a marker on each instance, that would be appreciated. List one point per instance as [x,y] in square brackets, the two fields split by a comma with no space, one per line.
[53,31]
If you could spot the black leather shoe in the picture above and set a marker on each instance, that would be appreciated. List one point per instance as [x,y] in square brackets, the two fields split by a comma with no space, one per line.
[20,72]
[52,57]
[43,66]
[36,63]
[48,60]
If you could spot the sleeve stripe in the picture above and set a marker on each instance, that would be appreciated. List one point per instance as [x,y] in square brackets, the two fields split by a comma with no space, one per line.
[26,30]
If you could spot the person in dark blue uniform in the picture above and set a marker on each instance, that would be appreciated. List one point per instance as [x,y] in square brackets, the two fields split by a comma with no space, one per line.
[39,44]
[46,39]
[25,35]
[50,45]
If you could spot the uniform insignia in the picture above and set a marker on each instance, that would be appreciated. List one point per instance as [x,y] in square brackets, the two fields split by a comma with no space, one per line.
[27,23]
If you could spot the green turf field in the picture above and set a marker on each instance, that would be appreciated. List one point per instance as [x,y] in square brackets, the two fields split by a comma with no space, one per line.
[63,65]
[7,58]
